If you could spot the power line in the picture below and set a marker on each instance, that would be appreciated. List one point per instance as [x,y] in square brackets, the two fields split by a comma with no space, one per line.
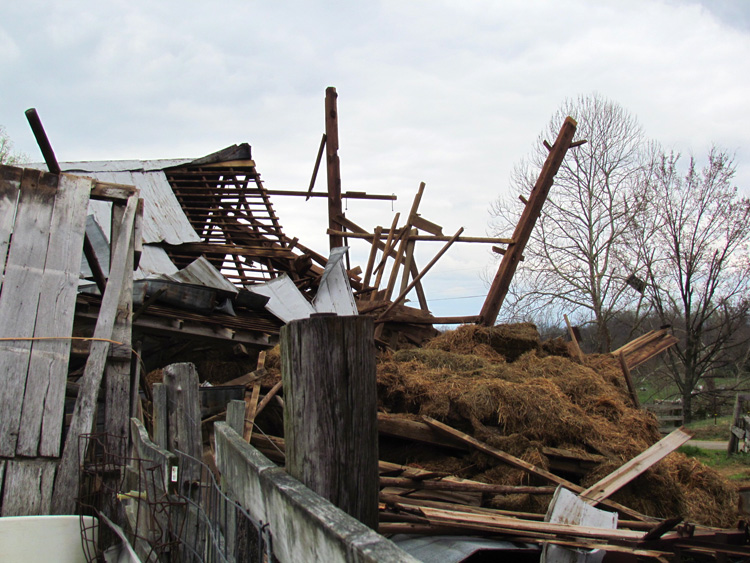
[454,298]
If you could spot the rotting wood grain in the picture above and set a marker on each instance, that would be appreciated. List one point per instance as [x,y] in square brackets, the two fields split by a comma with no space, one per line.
[330,423]
[44,400]
[28,487]
[19,297]
[117,370]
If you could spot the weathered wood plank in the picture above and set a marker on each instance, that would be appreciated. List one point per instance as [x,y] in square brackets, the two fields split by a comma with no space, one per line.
[520,526]
[108,192]
[293,512]
[387,248]
[626,473]
[66,482]
[421,223]
[251,406]
[236,415]
[330,423]
[371,257]
[148,451]
[424,271]
[161,415]
[574,340]
[10,183]
[465,486]
[401,252]
[117,370]
[400,427]
[19,297]
[44,399]
[629,381]
[184,415]
[267,399]
[408,261]
[28,487]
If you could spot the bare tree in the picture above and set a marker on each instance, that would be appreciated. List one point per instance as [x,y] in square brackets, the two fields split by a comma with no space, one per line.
[7,155]
[697,240]
[579,255]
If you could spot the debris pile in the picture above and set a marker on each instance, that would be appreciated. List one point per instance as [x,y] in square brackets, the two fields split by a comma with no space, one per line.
[504,388]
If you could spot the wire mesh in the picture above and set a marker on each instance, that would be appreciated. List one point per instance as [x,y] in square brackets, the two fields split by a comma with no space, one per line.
[195,523]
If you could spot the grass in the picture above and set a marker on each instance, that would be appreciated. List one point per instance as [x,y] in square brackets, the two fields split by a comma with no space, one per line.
[710,428]
[735,467]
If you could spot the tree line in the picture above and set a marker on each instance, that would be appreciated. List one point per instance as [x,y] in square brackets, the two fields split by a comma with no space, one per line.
[635,234]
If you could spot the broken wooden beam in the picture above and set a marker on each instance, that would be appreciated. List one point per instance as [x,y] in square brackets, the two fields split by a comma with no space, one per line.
[251,406]
[646,346]
[574,340]
[525,226]
[517,526]
[344,195]
[632,469]
[424,271]
[629,381]
[321,148]
[267,399]
[463,486]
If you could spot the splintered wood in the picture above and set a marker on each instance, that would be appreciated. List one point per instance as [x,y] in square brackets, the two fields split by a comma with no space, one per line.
[643,348]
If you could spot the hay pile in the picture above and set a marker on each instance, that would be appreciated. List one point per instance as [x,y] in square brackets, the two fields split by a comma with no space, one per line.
[504,387]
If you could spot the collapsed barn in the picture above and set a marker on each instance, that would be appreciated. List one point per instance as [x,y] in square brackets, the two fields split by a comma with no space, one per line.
[164,289]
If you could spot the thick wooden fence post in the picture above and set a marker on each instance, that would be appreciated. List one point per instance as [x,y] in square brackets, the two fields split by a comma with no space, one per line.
[330,410]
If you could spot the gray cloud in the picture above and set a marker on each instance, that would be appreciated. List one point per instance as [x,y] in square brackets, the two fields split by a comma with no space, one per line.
[447,92]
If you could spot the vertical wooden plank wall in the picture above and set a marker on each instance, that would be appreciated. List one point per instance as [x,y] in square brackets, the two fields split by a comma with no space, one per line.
[19,297]
[44,400]
[37,301]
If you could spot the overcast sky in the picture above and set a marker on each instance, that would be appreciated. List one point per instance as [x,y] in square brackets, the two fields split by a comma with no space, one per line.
[451,93]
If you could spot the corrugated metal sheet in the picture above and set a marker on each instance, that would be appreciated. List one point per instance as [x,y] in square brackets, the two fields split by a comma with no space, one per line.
[119,165]
[286,302]
[202,272]
[154,263]
[154,260]
[335,293]
[455,549]
[163,217]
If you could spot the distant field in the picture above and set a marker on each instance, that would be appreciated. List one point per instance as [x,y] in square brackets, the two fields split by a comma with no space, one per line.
[735,468]
[709,429]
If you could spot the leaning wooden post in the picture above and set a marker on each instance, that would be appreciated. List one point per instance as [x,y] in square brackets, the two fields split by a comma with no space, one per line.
[526,223]
[330,410]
